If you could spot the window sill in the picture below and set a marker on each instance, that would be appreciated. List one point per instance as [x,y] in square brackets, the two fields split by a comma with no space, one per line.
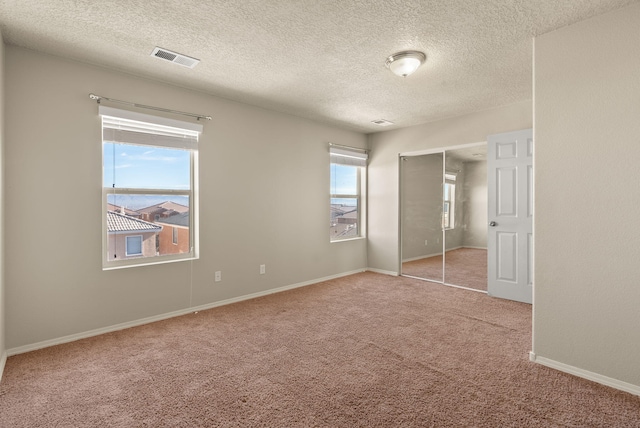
[148,263]
[348,240]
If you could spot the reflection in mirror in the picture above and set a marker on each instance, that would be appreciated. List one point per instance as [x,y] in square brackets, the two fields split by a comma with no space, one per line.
[421,211]
[465,217]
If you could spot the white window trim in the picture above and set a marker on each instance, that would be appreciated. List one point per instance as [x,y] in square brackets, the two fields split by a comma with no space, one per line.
[362,203]
[450,179]
[126,245]
[193,253]
[174,235]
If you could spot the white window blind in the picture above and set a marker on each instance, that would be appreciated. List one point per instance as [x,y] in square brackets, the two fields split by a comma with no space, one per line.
[345,156]
[124,126]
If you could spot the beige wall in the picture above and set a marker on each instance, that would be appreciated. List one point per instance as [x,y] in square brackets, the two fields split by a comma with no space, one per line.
[587,195]
[2,184]
[254,165]
[383,248]
[475,204]
[421,206]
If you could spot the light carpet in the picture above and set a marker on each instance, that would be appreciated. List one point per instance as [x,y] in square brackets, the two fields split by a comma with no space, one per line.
[367,350]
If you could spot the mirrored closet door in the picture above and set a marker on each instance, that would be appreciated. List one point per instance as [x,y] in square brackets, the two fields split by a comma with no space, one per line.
[421,211]
[443,208]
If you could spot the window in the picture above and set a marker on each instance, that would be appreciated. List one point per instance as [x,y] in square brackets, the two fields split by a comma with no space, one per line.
[449,206]
[348,175]
[148,179]
[134,245]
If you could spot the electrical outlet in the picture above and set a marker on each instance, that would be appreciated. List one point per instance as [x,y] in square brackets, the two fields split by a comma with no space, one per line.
[218,276]
[425,243]
[263,269]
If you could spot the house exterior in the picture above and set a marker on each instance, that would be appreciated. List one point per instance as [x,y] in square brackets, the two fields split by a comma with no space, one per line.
[174,238]
[162,210]
[129,237]
[344,221]
[122,210]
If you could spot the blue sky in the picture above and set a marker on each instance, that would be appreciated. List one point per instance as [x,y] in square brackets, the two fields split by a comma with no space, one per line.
[146,167]
[344,179]
[135,202]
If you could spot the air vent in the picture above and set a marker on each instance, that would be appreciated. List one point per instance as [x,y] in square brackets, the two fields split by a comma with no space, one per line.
[382,122]
[174,57]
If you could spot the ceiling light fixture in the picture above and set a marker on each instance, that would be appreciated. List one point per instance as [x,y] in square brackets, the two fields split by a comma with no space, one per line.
[405,63]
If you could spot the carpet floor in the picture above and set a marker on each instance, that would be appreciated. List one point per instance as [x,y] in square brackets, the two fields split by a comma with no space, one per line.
[466,267]
[367,350]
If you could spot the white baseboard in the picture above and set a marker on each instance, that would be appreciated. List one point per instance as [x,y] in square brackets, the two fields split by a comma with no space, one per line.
[272,291]
[412,259]
[595,377]
[384,272]
[3,361]
[160,317]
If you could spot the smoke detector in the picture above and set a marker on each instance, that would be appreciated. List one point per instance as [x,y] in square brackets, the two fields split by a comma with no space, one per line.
[174,57]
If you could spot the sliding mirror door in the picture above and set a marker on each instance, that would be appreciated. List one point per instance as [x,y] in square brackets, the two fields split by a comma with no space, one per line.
[465,217]
[421,216]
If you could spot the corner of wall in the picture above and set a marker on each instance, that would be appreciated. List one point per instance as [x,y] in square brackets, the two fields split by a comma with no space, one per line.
[3,361]
[3,353]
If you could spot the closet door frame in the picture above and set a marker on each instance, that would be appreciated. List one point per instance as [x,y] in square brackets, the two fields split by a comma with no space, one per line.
[442,150]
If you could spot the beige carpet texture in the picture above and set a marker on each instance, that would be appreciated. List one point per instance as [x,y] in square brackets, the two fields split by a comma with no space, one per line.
[367,350]
[466,267]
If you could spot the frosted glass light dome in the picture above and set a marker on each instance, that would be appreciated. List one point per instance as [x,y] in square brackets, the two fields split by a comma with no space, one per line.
[405,63]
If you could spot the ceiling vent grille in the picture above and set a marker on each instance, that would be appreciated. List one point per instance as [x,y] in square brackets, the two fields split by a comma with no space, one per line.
[382,122]
[176,58]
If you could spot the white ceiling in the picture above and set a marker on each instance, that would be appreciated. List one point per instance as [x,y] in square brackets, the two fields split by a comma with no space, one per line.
[469,154]
[319,59]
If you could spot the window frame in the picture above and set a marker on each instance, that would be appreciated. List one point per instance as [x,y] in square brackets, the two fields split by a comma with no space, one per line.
[360,197]
[126,246]
[450,203]
[174,235]
[191,193]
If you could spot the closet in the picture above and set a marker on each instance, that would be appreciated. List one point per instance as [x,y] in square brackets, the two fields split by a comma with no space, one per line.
[443,216]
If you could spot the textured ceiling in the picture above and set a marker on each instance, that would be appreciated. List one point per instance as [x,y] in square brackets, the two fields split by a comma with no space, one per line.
[319,59]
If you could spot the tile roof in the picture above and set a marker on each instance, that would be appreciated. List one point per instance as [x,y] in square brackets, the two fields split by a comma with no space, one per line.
[121,223]
[167,205]
[118,209]
[176,220]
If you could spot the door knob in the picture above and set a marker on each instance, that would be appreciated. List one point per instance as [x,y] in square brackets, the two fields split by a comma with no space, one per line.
[493,224]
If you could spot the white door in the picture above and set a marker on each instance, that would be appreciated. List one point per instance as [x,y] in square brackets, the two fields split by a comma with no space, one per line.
[510,185]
